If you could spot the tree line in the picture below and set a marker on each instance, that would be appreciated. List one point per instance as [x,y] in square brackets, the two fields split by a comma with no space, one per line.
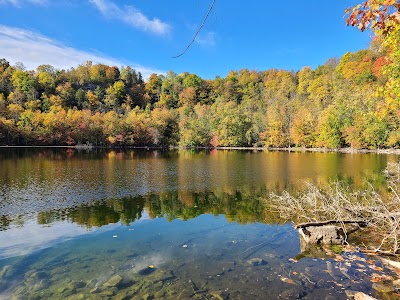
[348,102]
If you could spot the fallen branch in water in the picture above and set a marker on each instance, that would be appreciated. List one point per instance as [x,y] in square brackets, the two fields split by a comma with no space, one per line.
[337,205]
[329,222]
[376,251]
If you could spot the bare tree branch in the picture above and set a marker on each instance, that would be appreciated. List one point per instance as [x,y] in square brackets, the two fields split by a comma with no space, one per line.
[201,26]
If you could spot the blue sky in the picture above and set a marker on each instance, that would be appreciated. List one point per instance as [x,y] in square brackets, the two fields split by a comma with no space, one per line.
[146,34]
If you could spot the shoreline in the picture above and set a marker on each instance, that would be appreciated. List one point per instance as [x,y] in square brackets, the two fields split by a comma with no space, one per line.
[272,149]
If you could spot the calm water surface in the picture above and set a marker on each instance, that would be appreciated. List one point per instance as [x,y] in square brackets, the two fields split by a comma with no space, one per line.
[168,225]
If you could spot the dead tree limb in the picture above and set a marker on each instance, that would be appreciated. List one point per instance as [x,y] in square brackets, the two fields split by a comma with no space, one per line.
[323,223]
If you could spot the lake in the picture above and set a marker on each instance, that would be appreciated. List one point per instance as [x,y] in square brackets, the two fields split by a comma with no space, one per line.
[153,224]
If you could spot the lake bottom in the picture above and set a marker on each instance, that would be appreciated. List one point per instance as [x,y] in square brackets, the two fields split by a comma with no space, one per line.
[204,258]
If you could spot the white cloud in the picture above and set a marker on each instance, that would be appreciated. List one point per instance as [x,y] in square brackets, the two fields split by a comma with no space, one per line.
[131,16]
[208,39]
[19,2]
[32,237]
[40,2]
[13,2]
[33,49]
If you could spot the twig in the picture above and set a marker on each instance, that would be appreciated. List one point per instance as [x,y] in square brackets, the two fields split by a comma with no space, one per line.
[198,31]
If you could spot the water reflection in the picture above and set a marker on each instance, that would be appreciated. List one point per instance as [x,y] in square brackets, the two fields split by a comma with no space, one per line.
[166,225]
[46,179]
[239,207]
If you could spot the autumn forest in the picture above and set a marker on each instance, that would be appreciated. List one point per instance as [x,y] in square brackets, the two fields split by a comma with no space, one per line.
[350,101]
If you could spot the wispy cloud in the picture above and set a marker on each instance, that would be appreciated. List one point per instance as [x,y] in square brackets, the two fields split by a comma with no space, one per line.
[33,49]
[19,2]
[207,39]
[31,237]
[131,16]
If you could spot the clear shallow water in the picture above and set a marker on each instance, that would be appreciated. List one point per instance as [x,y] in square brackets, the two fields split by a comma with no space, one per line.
[167,225]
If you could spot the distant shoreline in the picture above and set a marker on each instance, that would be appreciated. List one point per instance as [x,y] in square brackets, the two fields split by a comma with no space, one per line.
[288,149]
[321,150]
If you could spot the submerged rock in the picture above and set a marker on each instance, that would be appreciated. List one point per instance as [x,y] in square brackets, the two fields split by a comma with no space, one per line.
[77,297]
[113,281]
[92,283]
[160,294]
[39,275]
[256,262]
[362,296]
[73,285]
[95,290]
[147,297]
[383,288]
[161,276]
[7,272]
[61,290]
[109,292]
[396,284]
[123,295]
[42,284]
[217,295]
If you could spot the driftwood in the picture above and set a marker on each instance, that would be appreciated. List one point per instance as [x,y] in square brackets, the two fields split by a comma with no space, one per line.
[329,222]
[326,233]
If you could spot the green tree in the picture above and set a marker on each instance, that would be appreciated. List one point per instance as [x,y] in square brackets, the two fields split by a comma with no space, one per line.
[25,82]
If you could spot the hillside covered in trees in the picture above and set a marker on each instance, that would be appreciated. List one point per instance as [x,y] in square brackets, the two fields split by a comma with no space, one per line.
[342,103]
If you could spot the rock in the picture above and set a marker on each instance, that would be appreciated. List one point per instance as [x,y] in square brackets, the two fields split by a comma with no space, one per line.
[7,272]
[147,297]
[288,294]
[74,285]
[77,297]
[108,292]
[45,283]
[34,296]
[396,284]
[135,288]
[61,290]
[383,288]
[124,295]
[329,234]
[256,262]
[162,276]
[113,281]
[95,290]
[362,296]
[160,294]
[39,275]
[29,273]
[41,285]
[350,294]
[158,285]
[91,284]
[392,263]
[217,295]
